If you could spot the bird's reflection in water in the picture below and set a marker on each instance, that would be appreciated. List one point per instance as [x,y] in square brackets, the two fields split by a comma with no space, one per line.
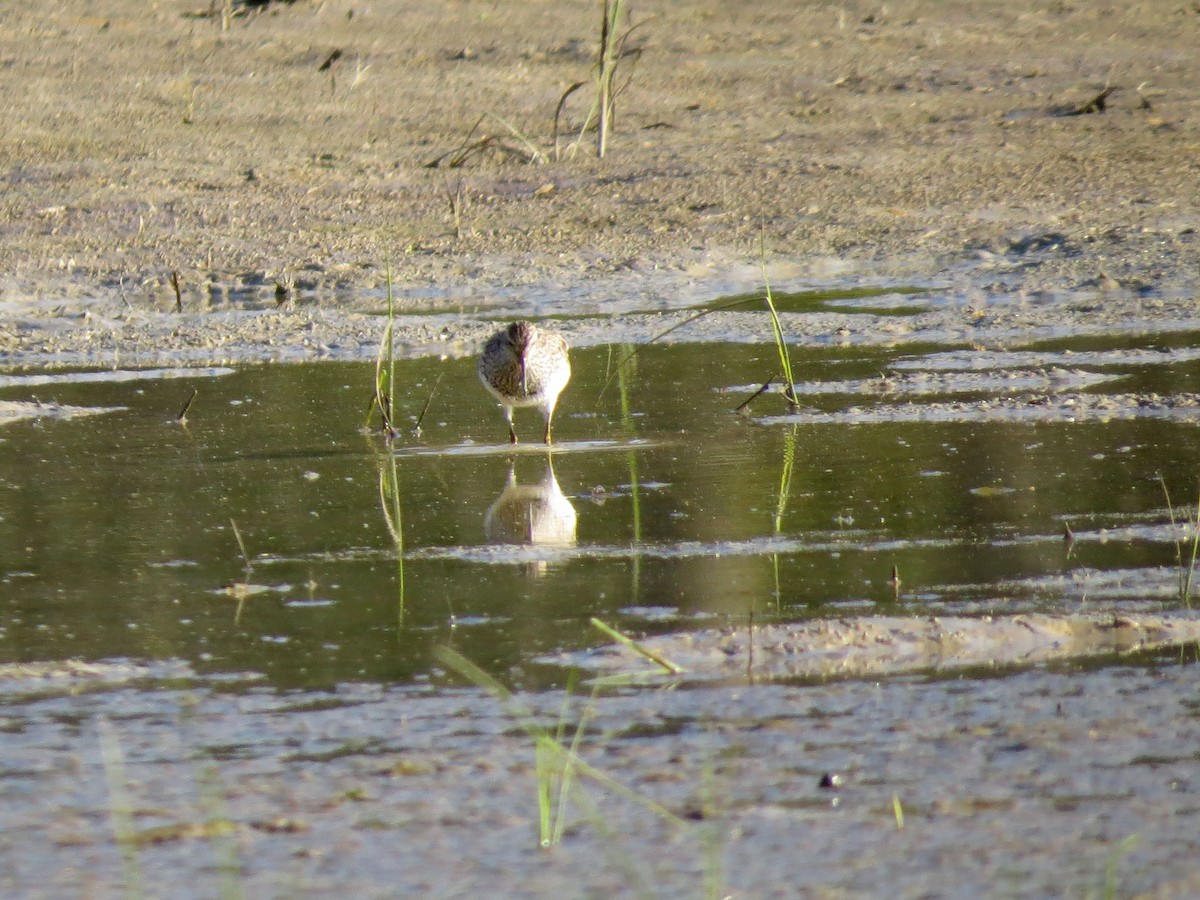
[536,514]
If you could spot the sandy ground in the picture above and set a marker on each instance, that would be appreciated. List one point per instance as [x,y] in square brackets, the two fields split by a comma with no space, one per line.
[900,140]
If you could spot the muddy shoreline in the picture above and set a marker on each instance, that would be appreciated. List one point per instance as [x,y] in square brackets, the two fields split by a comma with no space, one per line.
[860,143]
[107,331]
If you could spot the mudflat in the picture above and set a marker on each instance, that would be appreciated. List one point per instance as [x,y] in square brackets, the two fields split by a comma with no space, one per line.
[290,150]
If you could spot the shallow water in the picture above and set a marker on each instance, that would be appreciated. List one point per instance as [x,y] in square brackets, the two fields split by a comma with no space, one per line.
[295,689]
[659,508]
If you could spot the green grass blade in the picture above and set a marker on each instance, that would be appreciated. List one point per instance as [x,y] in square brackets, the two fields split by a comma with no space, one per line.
[1124,848]
[543,753]
[120,810]
[566,777]
[1191,566]
[785,357]
[670,667]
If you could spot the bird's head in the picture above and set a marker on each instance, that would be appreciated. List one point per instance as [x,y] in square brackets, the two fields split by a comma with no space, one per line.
[520,335]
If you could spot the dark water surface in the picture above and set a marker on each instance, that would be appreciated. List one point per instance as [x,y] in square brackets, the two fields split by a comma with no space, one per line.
[658,508]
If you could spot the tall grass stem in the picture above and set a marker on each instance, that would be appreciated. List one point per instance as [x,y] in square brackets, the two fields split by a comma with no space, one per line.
[785,357]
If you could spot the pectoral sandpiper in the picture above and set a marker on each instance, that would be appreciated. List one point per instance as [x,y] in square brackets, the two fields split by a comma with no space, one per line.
[524,365]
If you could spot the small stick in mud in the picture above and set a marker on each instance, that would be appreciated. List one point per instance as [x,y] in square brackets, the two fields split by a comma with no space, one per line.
[456,198]
[743,408]
[562,101]
[1096,104]
[237,533]
[182,417]
[330,60]
[241,589]
[895,582]
[453,159]
[463,151]
[178,292]
[416,429]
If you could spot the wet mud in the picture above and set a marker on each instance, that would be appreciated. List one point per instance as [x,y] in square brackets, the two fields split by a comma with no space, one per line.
[884,646]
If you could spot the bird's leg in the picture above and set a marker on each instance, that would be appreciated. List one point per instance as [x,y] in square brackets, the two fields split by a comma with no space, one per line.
[512,434]
[546,437]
